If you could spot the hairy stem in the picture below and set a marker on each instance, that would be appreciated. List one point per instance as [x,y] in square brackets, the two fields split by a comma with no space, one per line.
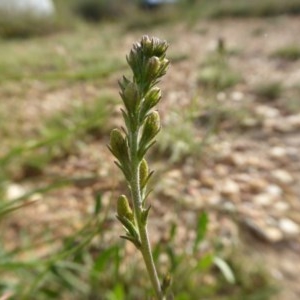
[137,204]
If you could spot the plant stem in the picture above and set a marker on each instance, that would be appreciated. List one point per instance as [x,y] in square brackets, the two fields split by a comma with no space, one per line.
[137,204]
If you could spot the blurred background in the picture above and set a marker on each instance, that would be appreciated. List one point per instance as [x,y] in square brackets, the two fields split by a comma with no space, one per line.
[225,218]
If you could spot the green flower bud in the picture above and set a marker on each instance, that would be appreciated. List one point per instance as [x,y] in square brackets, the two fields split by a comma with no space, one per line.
[153,47]
[131,96]
[132,59]
[153,97]
[151,128]
[167,280]
[143,172]
[123,208]
[118,145]
[152,68]
[147,45]
[164,63]
[159,47]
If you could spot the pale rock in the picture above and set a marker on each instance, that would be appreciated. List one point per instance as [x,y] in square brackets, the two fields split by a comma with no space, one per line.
[229,206]
[250,210]
[289,227]
[269,233]
[229,187]
[281,206]
[274,190]
[237,96]
[14,191]
[272,234]
[213,199]
[250,122]
[263,199]
[237,159]
[282,176]
[267,111]
[257,162]
[243,177]
[278,152]
[174,174]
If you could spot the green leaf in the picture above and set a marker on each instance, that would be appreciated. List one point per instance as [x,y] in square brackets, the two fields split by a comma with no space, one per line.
[98,204]
[117,293]
[103,259]
[201,230]
[225,269]
[130,227]
[144,215]
[205,262]
[150,129]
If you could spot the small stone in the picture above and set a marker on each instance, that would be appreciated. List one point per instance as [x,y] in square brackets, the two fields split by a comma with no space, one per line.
[289,227]
[229,206]
[238,159]
[257,185]
[267,111]
[258,162]
[213,199]
[229,187]
[250,122]
[268,233]
[221,170]
[14,191]
[278,152]
[273,235]
[263,199]
[282,176]
[281,206]
[207,180]
[237,96]
[274,190]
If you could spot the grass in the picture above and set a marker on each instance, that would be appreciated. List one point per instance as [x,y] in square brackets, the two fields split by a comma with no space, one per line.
[85,272]
[288,53]
[24,27]
[255,8]
[268,91]
[59,137]
[177,143]
[215,72]
[67,59]
[290,102]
